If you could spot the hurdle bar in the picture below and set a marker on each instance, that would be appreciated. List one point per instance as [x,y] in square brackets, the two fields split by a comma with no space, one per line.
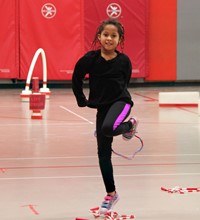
[27,92]
[178,99]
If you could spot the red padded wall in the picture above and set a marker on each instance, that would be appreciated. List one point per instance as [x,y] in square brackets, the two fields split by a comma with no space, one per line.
[56,27]
[27,26]
[133,15]
[8,39]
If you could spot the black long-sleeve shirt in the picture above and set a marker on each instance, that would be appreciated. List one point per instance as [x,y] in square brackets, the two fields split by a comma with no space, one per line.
[108,79]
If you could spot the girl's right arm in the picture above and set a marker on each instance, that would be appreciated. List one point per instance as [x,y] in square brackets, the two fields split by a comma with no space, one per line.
[80,71]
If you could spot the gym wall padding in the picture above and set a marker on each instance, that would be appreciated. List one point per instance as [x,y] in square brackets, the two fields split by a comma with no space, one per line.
[56,28]
[64,29]
[171,53]
[133,15]
[8,40]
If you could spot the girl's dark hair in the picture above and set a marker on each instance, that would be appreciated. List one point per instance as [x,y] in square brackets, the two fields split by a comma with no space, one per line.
[101,27]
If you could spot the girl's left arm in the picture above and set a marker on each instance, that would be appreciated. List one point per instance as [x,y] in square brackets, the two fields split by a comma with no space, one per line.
[128,70]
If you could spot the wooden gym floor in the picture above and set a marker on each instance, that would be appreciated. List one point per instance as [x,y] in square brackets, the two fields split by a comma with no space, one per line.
[49,168]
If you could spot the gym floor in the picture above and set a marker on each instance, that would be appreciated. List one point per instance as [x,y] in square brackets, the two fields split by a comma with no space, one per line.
[49,168]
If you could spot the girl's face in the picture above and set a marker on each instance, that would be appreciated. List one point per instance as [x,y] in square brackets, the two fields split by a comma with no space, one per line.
[109,38]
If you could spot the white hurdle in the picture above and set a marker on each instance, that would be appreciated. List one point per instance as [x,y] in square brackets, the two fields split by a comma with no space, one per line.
[170,99]
[25,95]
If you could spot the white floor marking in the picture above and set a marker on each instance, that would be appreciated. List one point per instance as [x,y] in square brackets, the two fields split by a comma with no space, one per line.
[85,119]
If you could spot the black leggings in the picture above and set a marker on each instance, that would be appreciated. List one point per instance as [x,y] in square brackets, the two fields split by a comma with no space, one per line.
[109,123]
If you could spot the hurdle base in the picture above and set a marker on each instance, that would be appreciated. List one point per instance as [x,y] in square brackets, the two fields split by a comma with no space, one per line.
[25,95]
[36,114]
[46,92]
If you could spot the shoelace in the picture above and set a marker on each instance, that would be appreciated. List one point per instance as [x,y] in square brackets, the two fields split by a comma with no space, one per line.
[107,202]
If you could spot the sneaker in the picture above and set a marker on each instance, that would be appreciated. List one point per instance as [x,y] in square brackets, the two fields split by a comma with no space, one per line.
[128,135]
[108,203]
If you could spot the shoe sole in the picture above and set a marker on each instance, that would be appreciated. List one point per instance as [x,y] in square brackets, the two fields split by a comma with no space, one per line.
[103,211]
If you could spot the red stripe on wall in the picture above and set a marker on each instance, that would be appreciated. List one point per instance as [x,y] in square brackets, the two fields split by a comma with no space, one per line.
[162,40]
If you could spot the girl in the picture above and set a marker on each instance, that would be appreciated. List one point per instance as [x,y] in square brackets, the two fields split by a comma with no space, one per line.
[109,74]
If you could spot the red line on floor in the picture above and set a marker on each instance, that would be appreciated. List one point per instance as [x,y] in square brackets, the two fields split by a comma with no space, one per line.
[87,166]
[2,170]
[147,97]
[188,110]
[31,207]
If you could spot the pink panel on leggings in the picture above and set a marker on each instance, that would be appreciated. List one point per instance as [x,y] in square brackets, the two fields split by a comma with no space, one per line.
[122,116]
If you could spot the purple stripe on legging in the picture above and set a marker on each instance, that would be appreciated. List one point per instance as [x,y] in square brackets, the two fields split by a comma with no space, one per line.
[122,116]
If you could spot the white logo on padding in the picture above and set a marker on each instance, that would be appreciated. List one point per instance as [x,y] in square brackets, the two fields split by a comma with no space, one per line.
[114,10]
[48,10]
